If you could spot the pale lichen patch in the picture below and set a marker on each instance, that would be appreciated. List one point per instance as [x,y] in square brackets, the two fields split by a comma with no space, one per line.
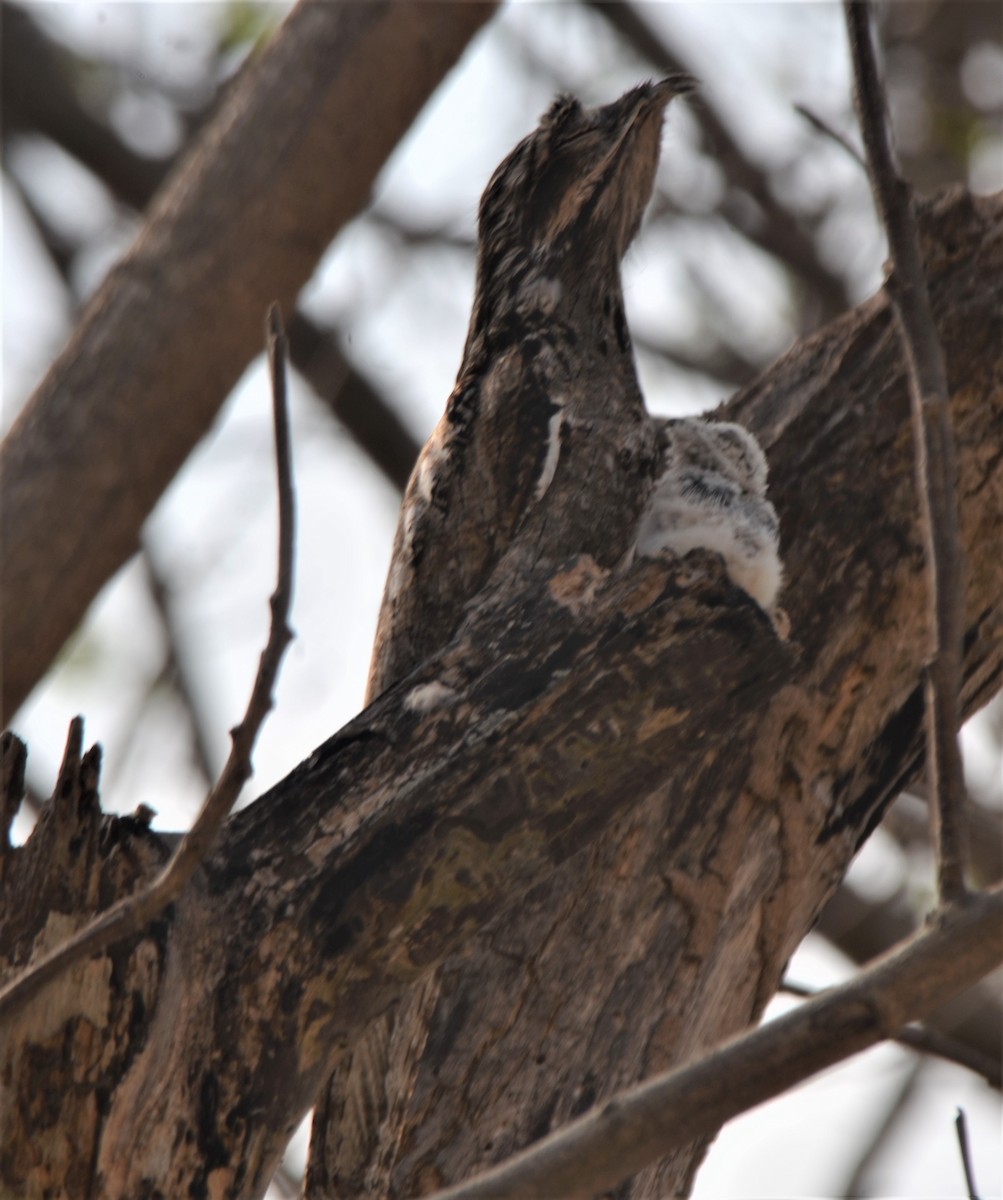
[427,696]
[552,456]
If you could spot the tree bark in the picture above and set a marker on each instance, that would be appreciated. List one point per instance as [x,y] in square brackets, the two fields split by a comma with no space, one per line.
[666,939]
[620,824]
[166,337]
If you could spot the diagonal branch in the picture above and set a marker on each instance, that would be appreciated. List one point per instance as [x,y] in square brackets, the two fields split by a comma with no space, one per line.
[926,1040]
[936,468]
[130,915]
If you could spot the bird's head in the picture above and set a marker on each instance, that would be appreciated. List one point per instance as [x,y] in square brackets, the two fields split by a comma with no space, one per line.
[572,193]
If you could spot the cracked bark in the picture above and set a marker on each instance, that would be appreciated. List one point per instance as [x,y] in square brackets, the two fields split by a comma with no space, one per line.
[619,830]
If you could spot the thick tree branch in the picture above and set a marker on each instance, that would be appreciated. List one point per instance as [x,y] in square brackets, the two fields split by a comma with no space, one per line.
[617,1139]
[822,768]
[738,776]
[167,335]
[129,916]
[313,350]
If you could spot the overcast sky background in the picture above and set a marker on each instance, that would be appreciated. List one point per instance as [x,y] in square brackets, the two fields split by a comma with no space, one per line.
[403,314]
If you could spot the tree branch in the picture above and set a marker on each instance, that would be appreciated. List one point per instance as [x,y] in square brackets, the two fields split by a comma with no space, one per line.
[129,916]
[165,338]
[616,1140]
[929,1041]
[936,469]
[862,930]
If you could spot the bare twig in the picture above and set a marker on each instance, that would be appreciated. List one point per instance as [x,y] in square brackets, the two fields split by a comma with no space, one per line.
[935,457]
[129,916]
[637,1127]
[961,1125]
[828,131]
[930,1041]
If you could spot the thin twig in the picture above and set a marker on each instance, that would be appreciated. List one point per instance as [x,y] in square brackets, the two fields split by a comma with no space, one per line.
[626,1133]
[828,131]
[930,1041]
[936,469]
[131,915]
[961,1125]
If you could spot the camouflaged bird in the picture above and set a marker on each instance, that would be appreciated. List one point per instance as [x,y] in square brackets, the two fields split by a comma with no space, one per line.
[545,436]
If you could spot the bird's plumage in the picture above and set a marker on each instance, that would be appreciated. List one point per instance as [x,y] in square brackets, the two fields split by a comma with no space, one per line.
[546,412]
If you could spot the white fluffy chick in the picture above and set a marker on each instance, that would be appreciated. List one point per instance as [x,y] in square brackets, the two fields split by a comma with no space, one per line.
[711,495]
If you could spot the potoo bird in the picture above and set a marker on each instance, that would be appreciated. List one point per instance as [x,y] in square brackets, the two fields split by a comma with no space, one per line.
[545,434]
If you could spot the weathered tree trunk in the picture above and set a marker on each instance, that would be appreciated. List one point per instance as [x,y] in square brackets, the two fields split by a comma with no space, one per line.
[673,931]
[620,827]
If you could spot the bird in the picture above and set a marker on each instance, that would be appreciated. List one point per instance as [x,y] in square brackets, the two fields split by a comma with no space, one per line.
[546,416]
[711,494]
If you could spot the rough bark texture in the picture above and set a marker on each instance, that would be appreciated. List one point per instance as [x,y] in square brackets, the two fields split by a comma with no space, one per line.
[674,930]
[281,168]
[637,796]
